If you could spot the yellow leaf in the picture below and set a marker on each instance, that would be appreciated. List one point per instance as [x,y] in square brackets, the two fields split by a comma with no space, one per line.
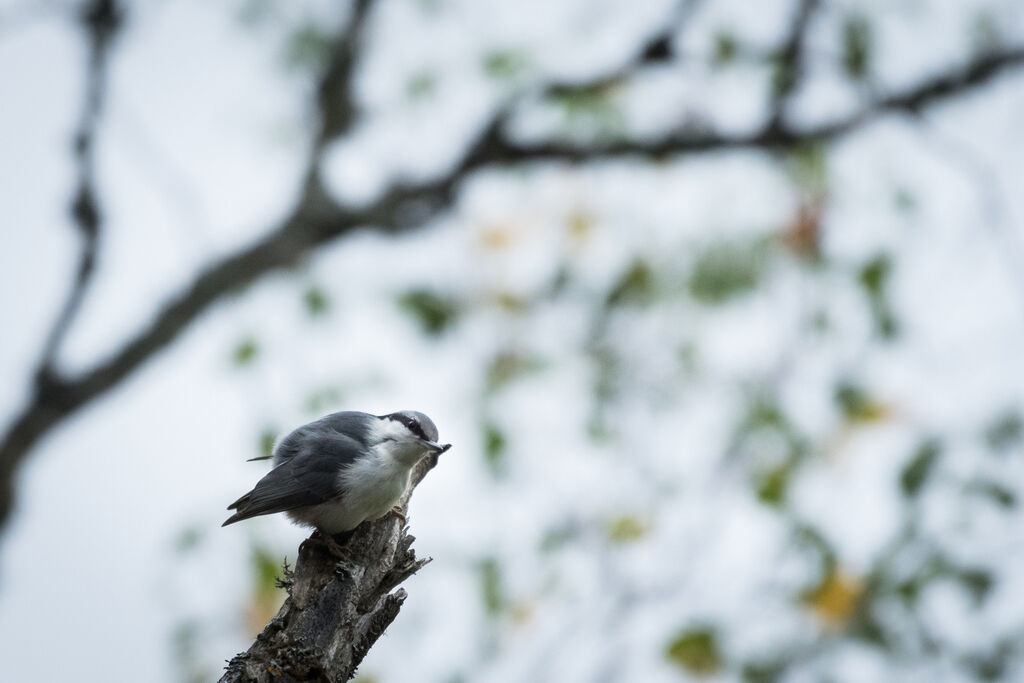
[626,529]
[835,599]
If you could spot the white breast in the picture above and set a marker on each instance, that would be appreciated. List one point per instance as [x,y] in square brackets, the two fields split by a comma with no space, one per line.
[372,486]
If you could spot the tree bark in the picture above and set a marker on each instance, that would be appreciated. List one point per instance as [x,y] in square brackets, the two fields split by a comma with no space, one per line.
[336,609]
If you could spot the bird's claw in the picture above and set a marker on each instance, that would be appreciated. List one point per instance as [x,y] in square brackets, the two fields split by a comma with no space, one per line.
[333,547]
[397,512]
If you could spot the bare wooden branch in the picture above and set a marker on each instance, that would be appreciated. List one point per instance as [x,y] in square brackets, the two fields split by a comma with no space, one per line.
[335,610]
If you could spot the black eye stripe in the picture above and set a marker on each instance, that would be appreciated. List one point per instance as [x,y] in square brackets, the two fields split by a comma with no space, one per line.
[411,424]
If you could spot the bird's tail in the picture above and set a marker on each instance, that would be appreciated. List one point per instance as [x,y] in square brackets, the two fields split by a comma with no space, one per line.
[240,506]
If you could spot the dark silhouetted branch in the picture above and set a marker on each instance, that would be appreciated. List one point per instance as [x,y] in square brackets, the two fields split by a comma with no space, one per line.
[790,62]
[101,20]
[910,101]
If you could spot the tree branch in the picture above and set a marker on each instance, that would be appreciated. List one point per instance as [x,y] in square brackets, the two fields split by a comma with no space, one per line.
[790,62]
[101,20]
[769,136]
[335,611]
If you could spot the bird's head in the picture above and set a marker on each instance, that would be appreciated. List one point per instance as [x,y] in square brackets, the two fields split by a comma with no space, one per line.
[413,434]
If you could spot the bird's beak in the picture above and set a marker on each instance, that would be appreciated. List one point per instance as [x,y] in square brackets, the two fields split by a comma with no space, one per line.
[435,447]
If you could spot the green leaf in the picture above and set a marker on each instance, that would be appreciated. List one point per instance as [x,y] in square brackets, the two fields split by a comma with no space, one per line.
[977,581]
[994,491]
[315,300]
[504,64]
[435,313]
[634,286]
[874,278]
[857,46]
[726,48]
[773,485]
[874,275]
[245,352]
[768,671]
[1005,431]
[491,594]
[696,650]
[590,105]
[507,366]
[854,401]
[494,449]
[727,271]
[920,467]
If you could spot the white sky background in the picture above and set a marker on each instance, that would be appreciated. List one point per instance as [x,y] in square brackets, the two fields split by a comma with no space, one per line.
[200,150]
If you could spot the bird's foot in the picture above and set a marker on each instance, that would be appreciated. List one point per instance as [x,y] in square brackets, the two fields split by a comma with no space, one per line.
[332,545]
[397,512]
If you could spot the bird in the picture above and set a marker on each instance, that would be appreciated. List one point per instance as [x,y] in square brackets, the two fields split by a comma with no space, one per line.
[341,470]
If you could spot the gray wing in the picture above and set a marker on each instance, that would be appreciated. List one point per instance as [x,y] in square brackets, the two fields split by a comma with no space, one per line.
[352,424]
[307,473]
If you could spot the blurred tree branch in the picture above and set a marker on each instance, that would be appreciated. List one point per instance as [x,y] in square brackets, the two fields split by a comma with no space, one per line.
[335,611]
[317,218]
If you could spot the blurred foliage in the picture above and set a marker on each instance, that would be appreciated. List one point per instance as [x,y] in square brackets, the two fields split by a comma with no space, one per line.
[874,277]
[266,593]
[267,439]
[998,493]
[315,300]
[507,366]
[771,440]
[492,596]
[185,641]
[1005,431]
[986,35]
[627,528]
[323,400]
[494,450]
[920,467]
[504,64]
[696,650]
[728,270]
[421,85]
[558,537]
[308,48]
[857,405]
[634,286]
[592,109]
[726,48]
[245,352]
[835,599]
[188,539]
[857,46]
[435,313]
